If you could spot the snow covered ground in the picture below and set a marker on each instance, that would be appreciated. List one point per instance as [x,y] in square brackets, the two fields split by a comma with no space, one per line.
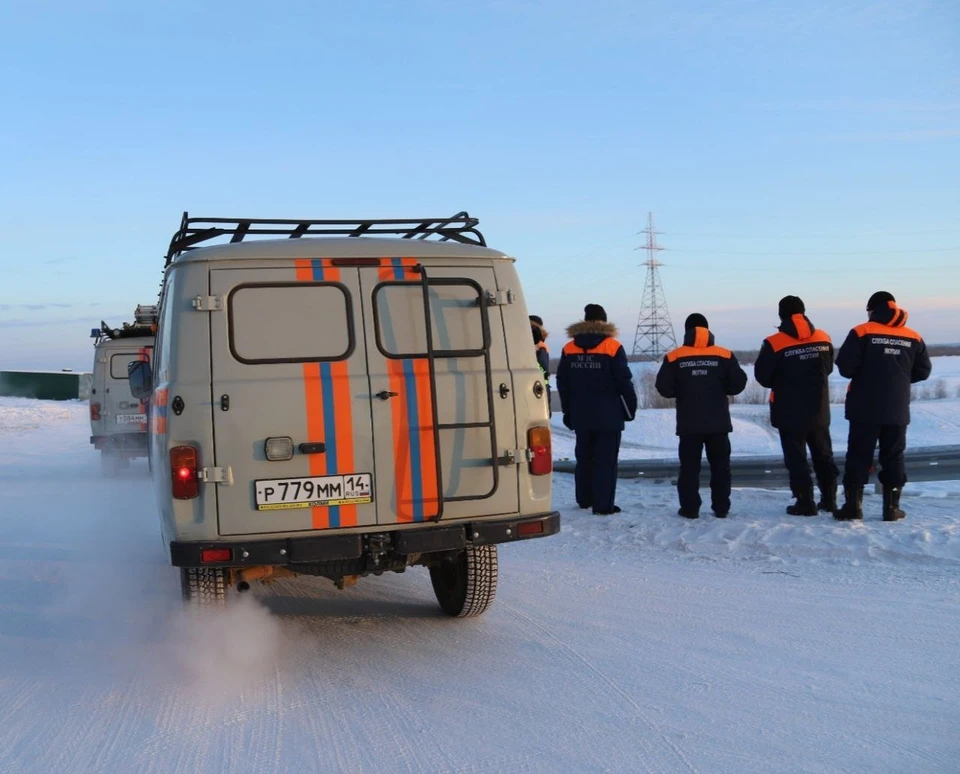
[640,642]
[652,434]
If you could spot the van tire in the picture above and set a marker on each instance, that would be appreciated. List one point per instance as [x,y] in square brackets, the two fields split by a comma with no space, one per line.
[466,585]
[204,586]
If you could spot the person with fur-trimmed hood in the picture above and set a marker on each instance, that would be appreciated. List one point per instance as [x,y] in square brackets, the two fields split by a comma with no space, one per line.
[597,397]
[882,358]
[795,364]
[701,376]
[543,355]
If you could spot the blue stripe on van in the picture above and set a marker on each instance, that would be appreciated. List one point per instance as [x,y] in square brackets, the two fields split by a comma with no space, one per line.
[329,410]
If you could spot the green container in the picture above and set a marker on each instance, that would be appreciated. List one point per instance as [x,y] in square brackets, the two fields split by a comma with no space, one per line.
[41,385]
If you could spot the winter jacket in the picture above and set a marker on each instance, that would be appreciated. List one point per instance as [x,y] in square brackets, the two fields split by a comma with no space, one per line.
[543,360]
[594,380]
[700,376]
[882,358]
[794,364]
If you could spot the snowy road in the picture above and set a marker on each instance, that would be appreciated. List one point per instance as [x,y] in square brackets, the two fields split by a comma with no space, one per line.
[639,643]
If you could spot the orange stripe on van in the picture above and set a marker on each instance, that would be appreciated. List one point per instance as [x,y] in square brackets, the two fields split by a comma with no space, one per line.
[304,269]
[343,402]
[428,450]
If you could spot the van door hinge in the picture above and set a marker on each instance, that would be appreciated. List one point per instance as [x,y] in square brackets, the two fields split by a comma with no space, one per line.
[217,476]
[515,457]
[499,297]
[208,303]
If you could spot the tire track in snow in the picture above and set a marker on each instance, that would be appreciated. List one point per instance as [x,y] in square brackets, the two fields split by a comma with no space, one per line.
[613,684]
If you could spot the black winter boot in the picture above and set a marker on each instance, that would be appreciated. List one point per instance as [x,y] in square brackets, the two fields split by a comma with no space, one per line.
[828,497]
[852,509]
[891,504]
[805,505]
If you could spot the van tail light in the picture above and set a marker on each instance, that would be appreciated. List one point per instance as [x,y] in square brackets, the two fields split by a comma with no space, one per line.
[538,441]
[95,412]
[184,471]
[208,555]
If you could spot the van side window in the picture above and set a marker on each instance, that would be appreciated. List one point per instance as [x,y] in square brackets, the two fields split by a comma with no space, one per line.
[118,364]
[455,311]
[290,322]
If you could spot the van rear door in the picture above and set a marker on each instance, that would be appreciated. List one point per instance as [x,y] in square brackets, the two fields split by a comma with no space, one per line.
[121,412]
[289,363]
[455,433]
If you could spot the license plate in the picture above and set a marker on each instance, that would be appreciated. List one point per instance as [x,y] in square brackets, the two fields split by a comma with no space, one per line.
[313,491]
[128,419]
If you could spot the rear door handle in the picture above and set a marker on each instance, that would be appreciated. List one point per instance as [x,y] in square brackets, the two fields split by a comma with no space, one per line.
[386,395]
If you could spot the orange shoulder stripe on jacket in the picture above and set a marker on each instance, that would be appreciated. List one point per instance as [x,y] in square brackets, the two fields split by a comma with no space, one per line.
[685,351]
[608,346]
[781,340]
[879,329]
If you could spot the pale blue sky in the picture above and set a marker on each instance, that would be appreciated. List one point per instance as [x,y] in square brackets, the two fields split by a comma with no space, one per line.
[784,147]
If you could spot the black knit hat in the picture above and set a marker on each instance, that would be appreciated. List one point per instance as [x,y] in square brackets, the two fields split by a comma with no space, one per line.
[537,320]
[594,312]
[696,320]
[879,299]
[789,306]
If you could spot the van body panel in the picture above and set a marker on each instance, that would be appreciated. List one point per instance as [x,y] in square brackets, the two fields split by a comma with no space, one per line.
[182,370]
[405,438]
[289,355]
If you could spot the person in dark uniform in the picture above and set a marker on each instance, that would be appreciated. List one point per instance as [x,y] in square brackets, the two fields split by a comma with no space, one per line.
[794,364]
[881,358]
[543,355]
[597,397]
[701,376]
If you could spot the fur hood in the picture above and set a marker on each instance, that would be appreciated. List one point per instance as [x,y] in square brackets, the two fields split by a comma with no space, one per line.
[543,331]
[592,328]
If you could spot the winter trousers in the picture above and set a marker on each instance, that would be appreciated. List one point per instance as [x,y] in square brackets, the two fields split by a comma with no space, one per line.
[861,443]
[596,475]
[718,456]
[795,443]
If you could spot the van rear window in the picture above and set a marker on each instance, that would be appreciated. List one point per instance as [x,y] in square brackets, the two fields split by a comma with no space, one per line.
[455,313]
[290,322]
[118,364]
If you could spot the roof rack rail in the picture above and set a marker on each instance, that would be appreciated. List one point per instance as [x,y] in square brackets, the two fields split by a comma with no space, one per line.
[193,231]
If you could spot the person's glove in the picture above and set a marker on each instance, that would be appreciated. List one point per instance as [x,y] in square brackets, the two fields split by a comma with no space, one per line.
[567,422]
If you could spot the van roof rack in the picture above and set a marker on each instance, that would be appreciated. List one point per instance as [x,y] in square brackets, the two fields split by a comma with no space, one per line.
[193,231]
[145,324]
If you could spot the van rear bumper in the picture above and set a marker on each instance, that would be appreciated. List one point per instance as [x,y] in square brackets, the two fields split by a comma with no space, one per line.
[132,442]
[332,548]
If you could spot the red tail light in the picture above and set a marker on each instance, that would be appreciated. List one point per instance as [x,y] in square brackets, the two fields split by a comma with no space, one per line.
[530,528]
[538,440]
[95,412]
[215,555]
[184,471]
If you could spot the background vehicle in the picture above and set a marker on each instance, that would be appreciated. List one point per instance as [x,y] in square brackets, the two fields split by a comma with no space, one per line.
[345,405]
[118,420]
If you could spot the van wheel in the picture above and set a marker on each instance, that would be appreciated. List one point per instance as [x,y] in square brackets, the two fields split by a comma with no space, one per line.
[204,586]
[466,585]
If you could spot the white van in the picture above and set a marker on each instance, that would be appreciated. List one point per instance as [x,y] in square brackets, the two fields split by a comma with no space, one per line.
[357,397]
[118,420]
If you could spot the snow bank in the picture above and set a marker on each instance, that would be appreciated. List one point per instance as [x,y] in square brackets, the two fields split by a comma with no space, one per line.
[759,530]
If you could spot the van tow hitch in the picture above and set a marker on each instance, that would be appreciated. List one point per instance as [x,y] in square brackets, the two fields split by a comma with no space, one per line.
[378,545]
